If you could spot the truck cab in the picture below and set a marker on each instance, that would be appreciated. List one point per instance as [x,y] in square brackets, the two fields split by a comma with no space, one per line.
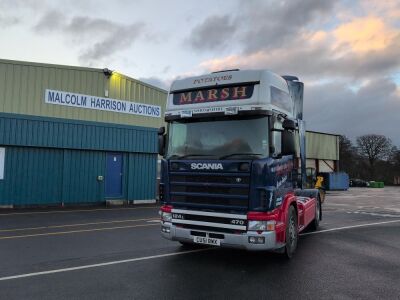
[229,173]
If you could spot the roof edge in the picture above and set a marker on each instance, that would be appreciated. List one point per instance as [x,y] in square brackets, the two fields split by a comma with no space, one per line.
[78,68]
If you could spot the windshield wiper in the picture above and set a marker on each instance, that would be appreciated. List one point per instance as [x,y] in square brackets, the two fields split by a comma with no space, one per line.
[233,154]
[187,155]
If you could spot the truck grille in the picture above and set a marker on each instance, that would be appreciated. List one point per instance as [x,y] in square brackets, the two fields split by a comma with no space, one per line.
[209,221]
[210,189]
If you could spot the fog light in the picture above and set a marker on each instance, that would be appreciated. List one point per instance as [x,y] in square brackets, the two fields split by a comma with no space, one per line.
[257,240]
[165,229]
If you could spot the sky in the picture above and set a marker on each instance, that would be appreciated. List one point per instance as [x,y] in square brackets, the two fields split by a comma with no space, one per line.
[347,52]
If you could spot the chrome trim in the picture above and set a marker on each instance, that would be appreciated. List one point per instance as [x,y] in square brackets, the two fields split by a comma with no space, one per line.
[209,214]
[209,224]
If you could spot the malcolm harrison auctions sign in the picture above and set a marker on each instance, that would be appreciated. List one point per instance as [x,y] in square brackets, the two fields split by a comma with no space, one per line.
[98,103]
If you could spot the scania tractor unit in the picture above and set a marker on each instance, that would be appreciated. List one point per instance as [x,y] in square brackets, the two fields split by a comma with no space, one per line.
[230,173]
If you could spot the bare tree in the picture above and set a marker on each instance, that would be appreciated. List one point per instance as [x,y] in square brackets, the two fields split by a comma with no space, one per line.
[347,156]
[374,147]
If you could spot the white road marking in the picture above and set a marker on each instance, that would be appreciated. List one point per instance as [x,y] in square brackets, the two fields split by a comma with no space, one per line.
[72,231]
[163,255]
[349,227]
[73,211]
[154,221]
[101,264]
[373,214]
[78,224]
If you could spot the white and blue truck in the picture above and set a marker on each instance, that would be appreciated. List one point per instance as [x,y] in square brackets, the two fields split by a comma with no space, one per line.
[230,176]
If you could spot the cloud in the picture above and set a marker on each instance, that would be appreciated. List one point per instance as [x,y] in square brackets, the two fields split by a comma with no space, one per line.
[327,54]
[214,33]
[258,24]
[335,107]
[388,8]
[98,38]
[121,38]
[346,66]
[8,21]
[364,34]
[275,24]
[50,21]
[158,82]
[165,83]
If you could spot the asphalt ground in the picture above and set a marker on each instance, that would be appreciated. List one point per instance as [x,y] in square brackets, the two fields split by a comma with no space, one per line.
[117,253]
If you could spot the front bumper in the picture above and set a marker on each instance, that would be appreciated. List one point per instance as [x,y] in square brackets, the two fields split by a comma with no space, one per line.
[239,241]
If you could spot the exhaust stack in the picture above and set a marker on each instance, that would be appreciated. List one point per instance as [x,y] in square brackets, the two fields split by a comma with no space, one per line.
[296,90]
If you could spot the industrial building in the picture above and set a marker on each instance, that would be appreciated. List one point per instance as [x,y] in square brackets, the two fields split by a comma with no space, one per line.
[322,151]
[72,135]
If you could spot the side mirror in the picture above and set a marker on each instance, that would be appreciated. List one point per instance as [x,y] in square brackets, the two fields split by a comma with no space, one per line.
[161,141]
[288,144]
[161,144]
[289,124]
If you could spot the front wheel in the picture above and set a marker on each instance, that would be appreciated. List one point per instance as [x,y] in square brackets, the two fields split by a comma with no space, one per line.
[292,233]
[317,218]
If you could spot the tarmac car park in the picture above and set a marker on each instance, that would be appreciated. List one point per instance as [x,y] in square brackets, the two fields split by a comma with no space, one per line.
[115,253]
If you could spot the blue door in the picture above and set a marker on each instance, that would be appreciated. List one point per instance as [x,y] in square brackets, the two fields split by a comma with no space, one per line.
[114,175]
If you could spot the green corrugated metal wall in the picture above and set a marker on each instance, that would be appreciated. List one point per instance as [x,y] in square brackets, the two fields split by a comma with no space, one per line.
[25,130]
[80,171]
[140,183]
[23,85]
[31,175]
[45,176]
[54,161]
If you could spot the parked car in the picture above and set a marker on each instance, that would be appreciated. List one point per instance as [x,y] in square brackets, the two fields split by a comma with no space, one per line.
[358,183]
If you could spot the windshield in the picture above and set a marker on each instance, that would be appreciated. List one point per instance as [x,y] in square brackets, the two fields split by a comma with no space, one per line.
[218,138]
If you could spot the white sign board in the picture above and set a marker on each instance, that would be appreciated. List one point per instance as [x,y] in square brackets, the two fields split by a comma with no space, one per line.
[2,159]
[98,103]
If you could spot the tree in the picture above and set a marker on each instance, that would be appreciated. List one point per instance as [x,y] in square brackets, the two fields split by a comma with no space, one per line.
[374,147]
[347,156]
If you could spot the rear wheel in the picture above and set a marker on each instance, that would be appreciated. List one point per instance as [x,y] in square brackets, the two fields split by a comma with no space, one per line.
[292,233]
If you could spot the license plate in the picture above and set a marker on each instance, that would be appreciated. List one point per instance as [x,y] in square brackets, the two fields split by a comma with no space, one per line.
[206,241]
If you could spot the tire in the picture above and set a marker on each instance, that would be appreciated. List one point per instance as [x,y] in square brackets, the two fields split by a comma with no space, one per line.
[315,223]
[292,232]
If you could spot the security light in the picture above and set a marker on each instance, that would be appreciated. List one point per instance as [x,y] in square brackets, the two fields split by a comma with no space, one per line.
[107,72]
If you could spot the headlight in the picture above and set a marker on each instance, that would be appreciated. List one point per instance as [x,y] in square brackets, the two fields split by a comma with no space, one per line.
[166,216]
[261,225]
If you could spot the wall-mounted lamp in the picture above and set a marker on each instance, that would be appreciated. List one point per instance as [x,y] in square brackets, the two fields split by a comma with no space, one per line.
[107,72]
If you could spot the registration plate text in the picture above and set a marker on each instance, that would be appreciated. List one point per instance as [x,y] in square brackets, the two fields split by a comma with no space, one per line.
[207,241]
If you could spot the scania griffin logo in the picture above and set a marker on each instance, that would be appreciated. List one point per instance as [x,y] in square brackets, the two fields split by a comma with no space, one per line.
[206,166]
